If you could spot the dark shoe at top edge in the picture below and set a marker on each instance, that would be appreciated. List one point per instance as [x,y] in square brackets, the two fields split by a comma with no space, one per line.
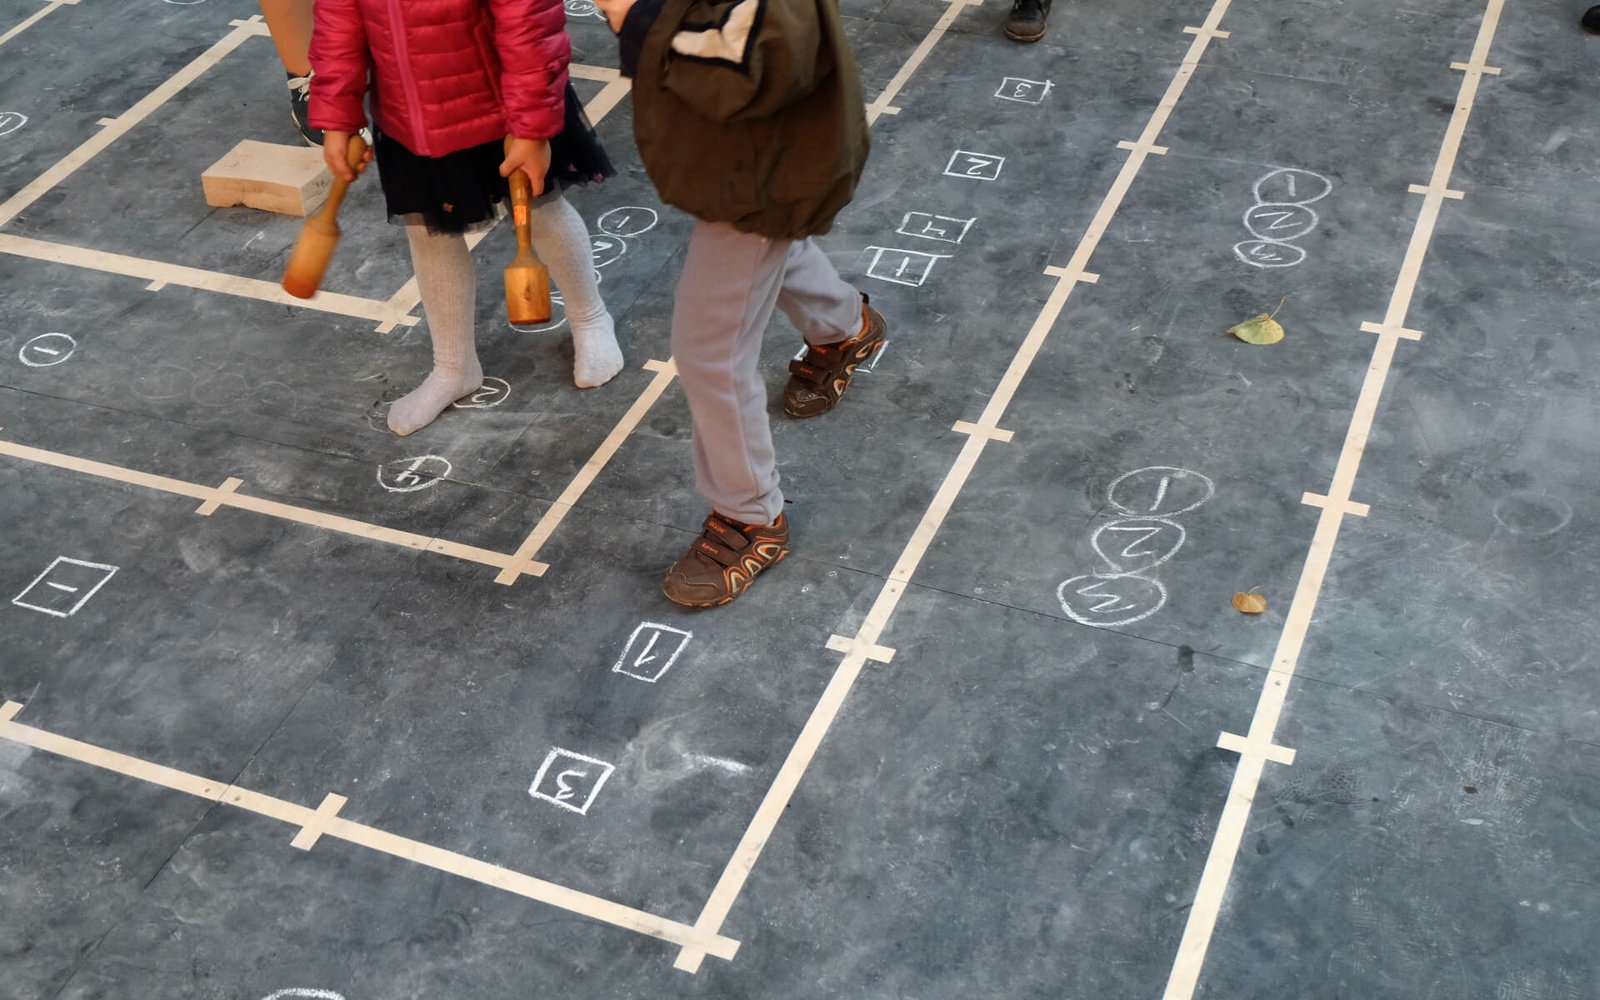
[1027,20]
[300,109]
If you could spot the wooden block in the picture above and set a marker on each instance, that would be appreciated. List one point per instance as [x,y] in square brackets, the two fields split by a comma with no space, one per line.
[291,180]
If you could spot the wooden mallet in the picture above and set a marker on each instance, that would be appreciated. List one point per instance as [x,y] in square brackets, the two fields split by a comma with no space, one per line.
[320,235]
[527,279]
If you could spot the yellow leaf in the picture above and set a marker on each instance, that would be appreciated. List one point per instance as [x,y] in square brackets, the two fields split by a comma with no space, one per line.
[1249,604]
[1261,330]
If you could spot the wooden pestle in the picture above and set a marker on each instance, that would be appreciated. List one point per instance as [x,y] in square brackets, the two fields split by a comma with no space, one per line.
[527,279]
[320,234]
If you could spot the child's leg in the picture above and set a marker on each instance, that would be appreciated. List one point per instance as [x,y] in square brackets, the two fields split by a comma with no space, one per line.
[289,21]
[724,300]
[562,241]
[821,305]
[449,299]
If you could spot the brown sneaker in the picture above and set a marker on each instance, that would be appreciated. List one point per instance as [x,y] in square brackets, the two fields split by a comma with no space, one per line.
[817,382]
[724,559]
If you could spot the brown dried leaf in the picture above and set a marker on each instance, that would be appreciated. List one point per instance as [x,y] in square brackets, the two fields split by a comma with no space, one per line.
[1249,604]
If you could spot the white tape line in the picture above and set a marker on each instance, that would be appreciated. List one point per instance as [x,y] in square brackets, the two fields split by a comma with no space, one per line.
[1200,925]
[777,799]
[859,647]
[313,830]
[1349,507]
[1246,747]
[563,505]
[331,825]
[49,8]
[1391,331]
[124,123]
[977,430]
[884,104]
[1143,148]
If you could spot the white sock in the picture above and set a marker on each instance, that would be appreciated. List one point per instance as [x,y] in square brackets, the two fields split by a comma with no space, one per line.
[449,300]
[562,242]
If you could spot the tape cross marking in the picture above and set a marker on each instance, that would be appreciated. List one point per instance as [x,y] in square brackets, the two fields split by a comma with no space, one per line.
[325,822]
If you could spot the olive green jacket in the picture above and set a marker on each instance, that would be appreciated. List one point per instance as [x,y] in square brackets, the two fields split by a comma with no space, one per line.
[748,111]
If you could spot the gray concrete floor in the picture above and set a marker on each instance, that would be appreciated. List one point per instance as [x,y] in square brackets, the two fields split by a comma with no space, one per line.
[1030,798]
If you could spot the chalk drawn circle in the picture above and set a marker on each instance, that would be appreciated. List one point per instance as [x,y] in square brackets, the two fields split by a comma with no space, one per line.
[1140,543]
[1269,253]
[558,317]
[184,3]
[273,396]
[166,381]
[607,249]
[582,8]
[1279,222]
[1159,491]
[494,392]
[1289,186]
[47,350]
[221,390]
[10,121]
[1532,515]
[628,221]
[408,475]
[554,324]
[302,993]
[1106,600]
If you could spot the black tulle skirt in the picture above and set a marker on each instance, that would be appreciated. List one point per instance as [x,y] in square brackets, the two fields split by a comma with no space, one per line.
[463,191]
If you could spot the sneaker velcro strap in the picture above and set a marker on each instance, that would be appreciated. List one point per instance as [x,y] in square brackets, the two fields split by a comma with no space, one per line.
[720,554]
[808,373]
[727,534]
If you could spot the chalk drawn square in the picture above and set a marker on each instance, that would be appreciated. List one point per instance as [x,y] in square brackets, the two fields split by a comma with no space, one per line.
[902,267]
[64,587]
[1015,88]
[943,228]
[651,651]
[872,365]
[570,780]
[981,166]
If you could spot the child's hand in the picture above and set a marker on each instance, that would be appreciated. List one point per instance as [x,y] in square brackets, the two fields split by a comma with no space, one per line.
[616,11]
[336,154]
[531,156]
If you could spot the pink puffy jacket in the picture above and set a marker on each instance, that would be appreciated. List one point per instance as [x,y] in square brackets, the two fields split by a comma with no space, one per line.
[448,74]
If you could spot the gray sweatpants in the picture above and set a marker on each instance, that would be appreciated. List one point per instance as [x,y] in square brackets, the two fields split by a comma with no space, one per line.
[731,282]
